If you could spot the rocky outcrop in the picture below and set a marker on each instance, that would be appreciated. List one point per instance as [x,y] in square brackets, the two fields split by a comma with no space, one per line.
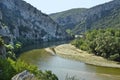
[2,52]
[23,21]
[25,75]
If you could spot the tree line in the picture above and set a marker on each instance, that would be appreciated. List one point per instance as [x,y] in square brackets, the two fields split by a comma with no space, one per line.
[101,42]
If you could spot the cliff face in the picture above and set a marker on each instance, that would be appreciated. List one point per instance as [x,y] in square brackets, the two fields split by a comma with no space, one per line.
[101,16]
[22,21]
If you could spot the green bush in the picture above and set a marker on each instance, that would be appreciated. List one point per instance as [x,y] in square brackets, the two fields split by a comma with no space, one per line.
[7,70]
[10,68]
[103,42]
[10,51]
[114,57]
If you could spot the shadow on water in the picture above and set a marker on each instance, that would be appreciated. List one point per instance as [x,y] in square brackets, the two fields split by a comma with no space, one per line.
[40,46]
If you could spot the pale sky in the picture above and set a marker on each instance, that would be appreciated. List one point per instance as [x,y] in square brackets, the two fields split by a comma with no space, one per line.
[53,6]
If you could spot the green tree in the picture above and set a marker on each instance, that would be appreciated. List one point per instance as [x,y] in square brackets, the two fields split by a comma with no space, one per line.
[103,42]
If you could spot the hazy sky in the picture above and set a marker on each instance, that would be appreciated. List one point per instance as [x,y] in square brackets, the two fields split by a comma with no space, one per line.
[52,6]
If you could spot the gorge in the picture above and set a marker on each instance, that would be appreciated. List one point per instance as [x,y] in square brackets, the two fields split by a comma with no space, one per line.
[26,32]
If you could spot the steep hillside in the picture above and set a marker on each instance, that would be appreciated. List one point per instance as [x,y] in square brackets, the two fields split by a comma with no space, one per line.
[24,22]
[68,18]
[101,16]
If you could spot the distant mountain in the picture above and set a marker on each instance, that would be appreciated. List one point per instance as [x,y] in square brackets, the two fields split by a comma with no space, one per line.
[101,16]
[22,21]
[68,18]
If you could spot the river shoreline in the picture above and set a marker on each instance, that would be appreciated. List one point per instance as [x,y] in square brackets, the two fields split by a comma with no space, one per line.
[71,52]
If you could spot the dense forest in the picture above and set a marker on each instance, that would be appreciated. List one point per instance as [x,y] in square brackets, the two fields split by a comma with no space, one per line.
[102,42]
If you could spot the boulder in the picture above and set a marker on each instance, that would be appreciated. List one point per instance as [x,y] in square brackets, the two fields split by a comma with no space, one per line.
[25,75]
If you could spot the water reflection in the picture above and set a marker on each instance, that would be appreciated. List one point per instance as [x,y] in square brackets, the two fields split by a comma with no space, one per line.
[43,45]
[61,67]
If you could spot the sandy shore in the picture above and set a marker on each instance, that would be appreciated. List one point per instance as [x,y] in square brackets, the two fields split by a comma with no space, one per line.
[69,51]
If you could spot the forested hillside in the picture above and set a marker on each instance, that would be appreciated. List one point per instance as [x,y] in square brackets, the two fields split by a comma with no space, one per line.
[102,42]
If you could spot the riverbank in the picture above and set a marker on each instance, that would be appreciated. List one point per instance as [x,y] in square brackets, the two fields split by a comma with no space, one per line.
[69,51]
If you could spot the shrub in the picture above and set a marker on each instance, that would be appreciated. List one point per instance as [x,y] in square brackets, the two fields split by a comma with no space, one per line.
[114,57]
[10,68]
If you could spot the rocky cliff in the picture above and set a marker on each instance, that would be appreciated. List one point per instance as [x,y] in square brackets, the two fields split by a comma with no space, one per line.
[20,20]
[101,16]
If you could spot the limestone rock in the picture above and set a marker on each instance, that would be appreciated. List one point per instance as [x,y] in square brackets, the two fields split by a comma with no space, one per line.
[25,75]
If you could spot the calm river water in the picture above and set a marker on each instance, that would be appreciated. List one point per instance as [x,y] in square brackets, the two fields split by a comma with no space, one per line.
[63,67]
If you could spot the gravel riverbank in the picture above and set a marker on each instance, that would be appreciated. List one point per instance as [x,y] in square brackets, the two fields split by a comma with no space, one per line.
[71,52]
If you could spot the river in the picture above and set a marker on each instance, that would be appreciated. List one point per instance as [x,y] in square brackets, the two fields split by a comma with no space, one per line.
[63,67]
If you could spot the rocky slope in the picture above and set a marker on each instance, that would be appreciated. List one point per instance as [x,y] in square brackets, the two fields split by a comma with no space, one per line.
[19,20]
[68,18]
[101,16]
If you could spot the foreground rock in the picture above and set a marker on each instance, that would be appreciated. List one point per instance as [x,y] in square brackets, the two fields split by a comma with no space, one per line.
[69,51]
[25,75]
